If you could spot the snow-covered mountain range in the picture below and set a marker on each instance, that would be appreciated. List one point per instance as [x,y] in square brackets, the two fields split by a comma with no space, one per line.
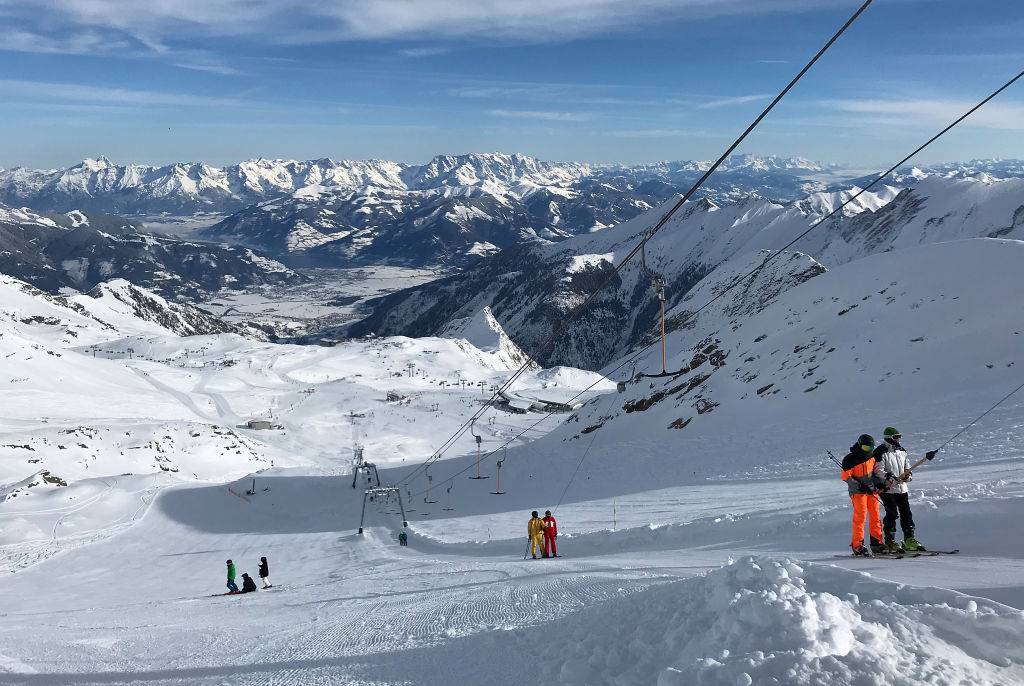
[77,250]
[532,288]
[449,211]
[98,185]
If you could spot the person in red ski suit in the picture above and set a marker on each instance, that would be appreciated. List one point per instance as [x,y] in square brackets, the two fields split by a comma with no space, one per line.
[550,534]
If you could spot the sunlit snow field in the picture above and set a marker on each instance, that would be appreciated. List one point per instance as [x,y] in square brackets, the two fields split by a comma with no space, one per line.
[713,555]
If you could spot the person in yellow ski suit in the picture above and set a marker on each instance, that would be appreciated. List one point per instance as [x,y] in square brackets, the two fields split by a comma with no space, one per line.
[535,533]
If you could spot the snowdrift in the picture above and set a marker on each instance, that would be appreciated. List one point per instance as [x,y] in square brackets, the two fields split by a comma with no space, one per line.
[762,621]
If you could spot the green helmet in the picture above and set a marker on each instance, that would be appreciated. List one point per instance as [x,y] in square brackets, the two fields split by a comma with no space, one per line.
[890,431]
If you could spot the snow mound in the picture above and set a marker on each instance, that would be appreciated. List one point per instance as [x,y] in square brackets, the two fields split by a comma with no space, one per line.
[762,621]
[482,331]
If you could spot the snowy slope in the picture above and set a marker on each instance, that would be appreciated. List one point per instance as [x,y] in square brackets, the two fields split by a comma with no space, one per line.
[529,294]
[532,289]
[696,554]
[936,328]
[484,333]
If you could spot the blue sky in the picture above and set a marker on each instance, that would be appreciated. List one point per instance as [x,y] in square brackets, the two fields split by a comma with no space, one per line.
[631,81]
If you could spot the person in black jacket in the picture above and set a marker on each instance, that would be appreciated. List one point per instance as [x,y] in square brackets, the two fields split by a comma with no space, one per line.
[864,478]
[248,585]
[264,572]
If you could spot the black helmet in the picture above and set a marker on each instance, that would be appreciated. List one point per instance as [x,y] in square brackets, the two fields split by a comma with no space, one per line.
[866,439]
[229,562]
[245,575]
[535,513]
[547,513]
[263,559]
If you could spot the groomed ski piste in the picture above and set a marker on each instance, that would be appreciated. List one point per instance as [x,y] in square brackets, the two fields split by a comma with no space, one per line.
[699,516]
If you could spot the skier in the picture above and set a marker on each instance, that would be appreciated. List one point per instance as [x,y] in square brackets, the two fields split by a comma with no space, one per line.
[893,459]
[535,534]
[550,533]
[864,478]
[248,585]
[403,538]
[232,586]
[264,572]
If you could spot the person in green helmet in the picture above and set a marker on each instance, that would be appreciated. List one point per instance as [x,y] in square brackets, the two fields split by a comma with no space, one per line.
[892,457]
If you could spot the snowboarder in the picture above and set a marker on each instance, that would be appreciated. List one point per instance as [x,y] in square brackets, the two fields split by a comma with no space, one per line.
[264,572]
[893,459]
[403,539]
[550,533]
[232,586]
[248,585]
[864,478]
[535,534]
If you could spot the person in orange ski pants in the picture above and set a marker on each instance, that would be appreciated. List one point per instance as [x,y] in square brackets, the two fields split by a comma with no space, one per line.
[864,478]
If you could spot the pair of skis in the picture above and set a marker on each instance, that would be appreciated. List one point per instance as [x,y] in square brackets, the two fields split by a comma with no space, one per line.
[899,556]
[262,588]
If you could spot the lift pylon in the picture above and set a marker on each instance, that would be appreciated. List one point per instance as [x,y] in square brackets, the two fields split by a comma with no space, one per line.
[479,440]
[497,486]
[375,492]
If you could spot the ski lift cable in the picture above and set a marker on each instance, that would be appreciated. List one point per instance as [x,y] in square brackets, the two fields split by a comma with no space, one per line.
[631,359]
[579,464]
[738,280]
[838,209]
[979,418]
[531,358]
[700,182]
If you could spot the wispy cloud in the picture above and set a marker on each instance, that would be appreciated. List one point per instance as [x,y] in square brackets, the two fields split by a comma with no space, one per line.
[423,52]
[739,100]
[546,116]
[82,43]
[994,115]
[44,91]
[774,62]
[597,95]
[158,24]
[661,133]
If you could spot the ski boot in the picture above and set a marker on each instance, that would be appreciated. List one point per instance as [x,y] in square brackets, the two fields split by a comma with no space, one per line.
[861,551]
[893,547]
[910,544]
[877,546]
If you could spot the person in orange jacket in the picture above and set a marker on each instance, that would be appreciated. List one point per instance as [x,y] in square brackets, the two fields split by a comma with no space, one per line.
[550,533]
[864,479]
[535,532]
